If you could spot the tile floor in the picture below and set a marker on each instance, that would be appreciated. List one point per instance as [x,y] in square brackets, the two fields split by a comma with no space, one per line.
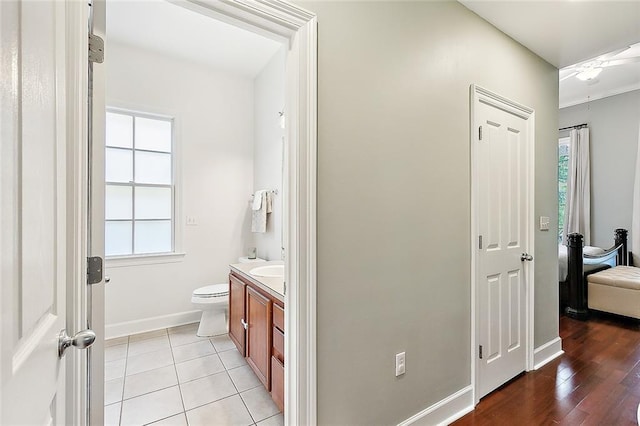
[173,377]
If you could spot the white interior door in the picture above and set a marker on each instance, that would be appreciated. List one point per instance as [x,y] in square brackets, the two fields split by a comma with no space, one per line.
[502,154]
[33,212]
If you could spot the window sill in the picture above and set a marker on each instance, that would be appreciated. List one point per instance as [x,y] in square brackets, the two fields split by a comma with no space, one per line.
[143,259]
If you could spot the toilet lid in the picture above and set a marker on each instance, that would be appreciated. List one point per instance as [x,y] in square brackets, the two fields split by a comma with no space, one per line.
[212,290]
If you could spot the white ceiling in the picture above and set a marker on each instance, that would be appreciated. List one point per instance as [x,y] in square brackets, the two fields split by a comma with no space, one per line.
[611,81]
[172,30]
[565,32]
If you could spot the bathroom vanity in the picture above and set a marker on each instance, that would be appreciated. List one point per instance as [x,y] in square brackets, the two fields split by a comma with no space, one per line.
[256,322]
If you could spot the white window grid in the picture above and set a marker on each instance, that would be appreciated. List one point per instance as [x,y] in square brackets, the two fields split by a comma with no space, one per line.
[132,184]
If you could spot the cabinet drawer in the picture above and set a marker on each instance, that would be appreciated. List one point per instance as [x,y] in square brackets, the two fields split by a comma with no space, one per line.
[278,317]
[278,344]
[277,383]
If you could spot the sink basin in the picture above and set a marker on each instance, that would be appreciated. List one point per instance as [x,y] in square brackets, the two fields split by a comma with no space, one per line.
[270,271]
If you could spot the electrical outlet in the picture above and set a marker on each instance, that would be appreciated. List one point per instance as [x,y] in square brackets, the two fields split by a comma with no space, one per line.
[400,364]
[191,220]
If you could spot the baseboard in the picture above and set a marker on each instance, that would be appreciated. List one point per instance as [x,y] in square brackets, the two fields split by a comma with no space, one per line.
[547,352]
[445,411]
[149,324]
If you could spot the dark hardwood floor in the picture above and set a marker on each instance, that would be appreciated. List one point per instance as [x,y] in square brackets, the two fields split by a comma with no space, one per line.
[595,382]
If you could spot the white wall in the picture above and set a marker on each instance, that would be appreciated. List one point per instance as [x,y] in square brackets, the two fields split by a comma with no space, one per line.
[269,92]
[214,122]
[613,124]
[394,199]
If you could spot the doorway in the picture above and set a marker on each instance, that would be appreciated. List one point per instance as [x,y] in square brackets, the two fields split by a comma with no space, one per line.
[502,218]
[296,29]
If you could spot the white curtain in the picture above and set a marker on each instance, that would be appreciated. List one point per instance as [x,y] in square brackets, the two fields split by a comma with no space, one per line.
[577,214]
[635,222]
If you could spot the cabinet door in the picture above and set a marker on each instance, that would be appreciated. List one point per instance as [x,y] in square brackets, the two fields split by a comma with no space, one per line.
[237,312]
[277,383]
[259,335]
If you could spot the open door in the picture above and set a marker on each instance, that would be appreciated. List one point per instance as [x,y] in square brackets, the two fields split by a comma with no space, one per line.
[41,376]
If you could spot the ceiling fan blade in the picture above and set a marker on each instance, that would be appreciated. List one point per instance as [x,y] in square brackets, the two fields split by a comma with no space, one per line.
[610,55]
[573,74]
[624,61]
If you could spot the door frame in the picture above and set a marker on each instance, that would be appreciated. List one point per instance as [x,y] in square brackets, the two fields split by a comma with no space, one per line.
[297,28]
[481,95]
[76,93]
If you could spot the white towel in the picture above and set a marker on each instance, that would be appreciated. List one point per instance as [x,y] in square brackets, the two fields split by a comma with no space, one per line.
[269,201]
[259,216]
[257,199]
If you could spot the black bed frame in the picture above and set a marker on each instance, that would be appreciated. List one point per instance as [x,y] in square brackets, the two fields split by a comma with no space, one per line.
[573,291]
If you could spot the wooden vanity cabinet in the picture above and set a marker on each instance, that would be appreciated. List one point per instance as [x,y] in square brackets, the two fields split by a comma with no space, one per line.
[237,290]
[256,326]
[258,309]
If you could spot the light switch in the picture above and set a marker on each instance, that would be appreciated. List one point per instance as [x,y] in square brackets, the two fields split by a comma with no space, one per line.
[400,360]
[544,223]
[191,221]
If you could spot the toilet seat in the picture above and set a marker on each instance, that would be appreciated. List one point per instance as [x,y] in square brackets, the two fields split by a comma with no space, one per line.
[213,290]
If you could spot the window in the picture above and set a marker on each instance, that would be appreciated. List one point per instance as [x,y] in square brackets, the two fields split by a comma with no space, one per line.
[140,191]
[563,171]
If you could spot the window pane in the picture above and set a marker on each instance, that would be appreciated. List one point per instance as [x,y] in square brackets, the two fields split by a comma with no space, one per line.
[152,167]
[153,236]
[563,172]
[118,165]
[117,238]
[154,135]
[153,203]
[117,203]
[119,130]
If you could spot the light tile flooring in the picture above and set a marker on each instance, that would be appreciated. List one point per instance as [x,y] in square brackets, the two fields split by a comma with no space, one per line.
[173,377]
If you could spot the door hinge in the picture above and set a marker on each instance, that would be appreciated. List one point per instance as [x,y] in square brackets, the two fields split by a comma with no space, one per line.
[96,49]
[94,270]
[480,133]
[480,242]
[285,287]
[480,351]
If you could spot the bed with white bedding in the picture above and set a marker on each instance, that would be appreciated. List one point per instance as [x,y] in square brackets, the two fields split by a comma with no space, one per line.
[563,259]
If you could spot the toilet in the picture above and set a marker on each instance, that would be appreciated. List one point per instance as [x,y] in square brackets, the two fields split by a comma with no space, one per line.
[213,300]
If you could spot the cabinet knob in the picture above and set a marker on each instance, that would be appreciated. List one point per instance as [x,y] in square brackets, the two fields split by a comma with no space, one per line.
[244,324]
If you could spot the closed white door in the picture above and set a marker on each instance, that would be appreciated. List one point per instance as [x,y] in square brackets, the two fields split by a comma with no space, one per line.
[34,188]
[501,174]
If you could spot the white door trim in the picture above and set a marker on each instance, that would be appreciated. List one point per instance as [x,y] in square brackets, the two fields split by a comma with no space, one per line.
[286,22]
[481,95]
[297,27]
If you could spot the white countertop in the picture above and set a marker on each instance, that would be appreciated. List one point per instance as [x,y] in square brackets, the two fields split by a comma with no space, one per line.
[272,285]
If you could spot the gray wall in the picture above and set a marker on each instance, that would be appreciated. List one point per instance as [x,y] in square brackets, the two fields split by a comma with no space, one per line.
[394,199]
[613,124]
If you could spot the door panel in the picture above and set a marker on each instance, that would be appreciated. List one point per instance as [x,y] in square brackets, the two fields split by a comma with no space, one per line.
[33,212]
[502,167]
[494,313]
[515,301]
[237,312]
[259,335]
